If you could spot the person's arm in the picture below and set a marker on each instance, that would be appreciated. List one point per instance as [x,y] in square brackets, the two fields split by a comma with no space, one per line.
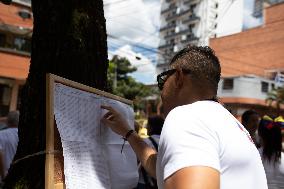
[2,170]
[145,153]
[195,177]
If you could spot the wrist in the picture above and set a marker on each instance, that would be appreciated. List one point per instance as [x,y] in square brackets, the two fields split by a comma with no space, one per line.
[128,134]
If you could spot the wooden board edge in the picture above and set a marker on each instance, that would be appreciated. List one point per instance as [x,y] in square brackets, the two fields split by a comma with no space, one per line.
[86,88]
[59,186]
[49,157]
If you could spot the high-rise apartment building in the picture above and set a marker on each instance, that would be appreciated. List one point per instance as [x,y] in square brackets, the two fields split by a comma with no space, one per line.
[185,22]
[259,5]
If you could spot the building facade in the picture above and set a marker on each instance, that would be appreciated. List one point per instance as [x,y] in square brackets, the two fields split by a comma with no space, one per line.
[240,93]
[257,52]
[16,25]
[194,22]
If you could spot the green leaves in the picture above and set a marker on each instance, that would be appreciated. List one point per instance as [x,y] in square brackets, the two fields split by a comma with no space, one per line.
[126,86]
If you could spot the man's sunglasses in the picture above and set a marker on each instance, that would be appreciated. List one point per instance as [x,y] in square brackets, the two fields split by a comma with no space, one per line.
[162,77]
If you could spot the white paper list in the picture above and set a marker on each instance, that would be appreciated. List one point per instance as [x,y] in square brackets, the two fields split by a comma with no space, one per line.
[92,158]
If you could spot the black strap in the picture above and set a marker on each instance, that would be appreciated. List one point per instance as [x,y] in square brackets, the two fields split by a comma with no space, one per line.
[154,143]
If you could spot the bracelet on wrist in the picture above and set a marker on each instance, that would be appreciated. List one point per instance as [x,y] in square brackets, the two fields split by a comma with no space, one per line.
[128,134]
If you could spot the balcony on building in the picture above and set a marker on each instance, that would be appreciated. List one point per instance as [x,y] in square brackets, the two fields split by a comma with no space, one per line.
[164,46]
[15,40]
[180,13]
[174,34]
[172,7]
[168,26]
[191,20]
[190,39]
[191,2]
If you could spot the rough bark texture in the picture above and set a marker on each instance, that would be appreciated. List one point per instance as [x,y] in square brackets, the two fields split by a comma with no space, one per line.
[69,40]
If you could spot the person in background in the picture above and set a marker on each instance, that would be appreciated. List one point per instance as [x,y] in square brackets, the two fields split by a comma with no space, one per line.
[154,126]
[270,151]
[8,143]
[250,120]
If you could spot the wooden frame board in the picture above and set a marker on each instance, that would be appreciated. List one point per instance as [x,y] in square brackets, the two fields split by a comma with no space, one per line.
[52,136]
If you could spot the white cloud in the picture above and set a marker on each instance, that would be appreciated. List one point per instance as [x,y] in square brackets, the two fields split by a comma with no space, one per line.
[146,71]
[134,23]
[134,20]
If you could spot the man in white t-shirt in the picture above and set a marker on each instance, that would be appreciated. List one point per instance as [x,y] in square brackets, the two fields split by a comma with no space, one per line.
[202,145]
[8,143]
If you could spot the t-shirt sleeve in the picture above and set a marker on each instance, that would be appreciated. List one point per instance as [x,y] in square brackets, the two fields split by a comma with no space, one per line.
[188,141]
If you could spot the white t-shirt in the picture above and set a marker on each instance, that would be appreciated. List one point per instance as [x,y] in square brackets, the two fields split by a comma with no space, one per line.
[8,146]
[274,172]
[206,134]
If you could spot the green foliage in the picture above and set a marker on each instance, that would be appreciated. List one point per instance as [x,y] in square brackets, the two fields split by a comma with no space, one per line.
[127,86]
[276,96]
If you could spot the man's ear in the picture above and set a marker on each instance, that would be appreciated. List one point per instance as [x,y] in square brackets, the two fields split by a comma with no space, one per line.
[179,79]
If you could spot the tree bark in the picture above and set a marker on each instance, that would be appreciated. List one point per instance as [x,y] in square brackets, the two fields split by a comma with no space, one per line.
[69,40]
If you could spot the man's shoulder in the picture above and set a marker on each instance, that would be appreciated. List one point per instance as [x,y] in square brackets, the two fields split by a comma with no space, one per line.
[198,108]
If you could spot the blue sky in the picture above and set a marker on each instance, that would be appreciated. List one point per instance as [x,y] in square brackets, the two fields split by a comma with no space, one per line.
[133,26]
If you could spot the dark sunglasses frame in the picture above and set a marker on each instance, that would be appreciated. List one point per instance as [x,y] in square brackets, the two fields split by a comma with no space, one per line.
[161,81]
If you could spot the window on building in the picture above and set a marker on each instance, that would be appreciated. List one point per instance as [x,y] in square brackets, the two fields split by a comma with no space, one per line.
[175,48]
[272,86]
[19,100]
[5,98]
[25,14]
[178,10]
[264,87]
[192,7]
[190,28]
[2,40]
[177,29]
[216,5]
[228,84]
[22,44]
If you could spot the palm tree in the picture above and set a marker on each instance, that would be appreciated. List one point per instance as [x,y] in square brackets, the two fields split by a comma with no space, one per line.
[69,40]
[276,96]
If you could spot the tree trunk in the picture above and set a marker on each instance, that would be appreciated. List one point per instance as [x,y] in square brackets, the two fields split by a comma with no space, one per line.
[69,40]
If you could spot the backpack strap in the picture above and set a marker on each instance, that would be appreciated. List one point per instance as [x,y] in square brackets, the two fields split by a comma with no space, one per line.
[153,142]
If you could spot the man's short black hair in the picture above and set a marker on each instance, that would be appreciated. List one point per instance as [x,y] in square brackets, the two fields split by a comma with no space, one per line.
[202,61]
[247,114]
